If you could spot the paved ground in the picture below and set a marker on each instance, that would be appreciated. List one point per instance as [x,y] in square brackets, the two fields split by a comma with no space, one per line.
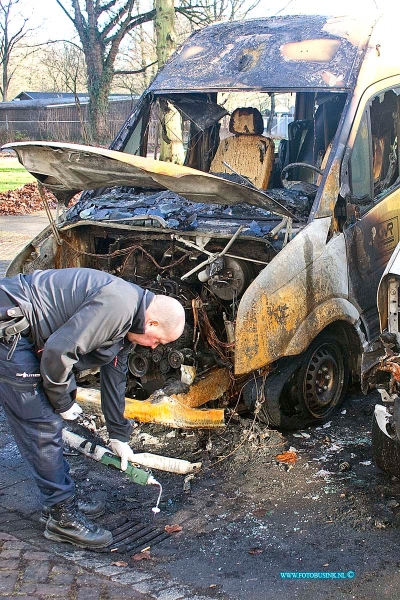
[30,566]
[29,572]
[35,568]
[16,232]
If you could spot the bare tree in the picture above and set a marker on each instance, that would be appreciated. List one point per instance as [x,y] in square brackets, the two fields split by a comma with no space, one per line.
[64,63]
[13,28]
[164,24]
[203,12]
[136,63]
[101,26]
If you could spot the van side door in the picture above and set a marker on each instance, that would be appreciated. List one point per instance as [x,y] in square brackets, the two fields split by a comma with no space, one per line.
[373,202]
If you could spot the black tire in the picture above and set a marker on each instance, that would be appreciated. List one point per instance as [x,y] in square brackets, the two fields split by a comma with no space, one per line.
[322,380]
[385,450]
[303,401]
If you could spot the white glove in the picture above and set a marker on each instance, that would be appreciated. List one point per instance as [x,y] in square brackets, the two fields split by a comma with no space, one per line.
[72,413]
[124,451]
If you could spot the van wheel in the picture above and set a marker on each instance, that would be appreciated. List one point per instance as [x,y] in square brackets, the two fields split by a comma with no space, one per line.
[385,450]
[313,391]
[322,380]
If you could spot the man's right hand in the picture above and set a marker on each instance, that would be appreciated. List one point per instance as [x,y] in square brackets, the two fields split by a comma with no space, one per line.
[124,451]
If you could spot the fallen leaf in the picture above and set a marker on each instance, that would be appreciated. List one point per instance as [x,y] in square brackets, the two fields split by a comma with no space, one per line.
[172,528]
[145,555]
[260,512]
[24,200]
[256,551]
[120,563]
[287,457]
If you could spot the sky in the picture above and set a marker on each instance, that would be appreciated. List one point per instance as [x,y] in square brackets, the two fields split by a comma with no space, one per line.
[51,23]
[48,19]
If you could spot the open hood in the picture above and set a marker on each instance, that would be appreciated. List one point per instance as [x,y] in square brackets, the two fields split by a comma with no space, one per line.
[66,169]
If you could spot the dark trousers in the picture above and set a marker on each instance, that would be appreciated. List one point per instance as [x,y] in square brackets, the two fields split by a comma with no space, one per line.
[37,429]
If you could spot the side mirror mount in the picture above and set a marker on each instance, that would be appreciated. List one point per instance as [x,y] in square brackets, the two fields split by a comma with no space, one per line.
[359,200]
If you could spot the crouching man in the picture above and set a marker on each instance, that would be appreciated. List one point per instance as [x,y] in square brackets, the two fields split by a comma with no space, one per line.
[51,323]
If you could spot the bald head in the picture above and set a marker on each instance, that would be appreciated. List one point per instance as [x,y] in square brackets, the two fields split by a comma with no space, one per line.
[169,313]
[164,322]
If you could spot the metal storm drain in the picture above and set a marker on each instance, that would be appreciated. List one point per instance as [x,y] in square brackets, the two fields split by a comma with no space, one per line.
[133,536]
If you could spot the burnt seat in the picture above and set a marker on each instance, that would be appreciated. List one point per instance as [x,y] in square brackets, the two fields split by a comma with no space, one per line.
[248,152]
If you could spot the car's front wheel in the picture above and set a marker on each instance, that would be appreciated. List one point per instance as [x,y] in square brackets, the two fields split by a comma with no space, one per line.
[315,390]
[322,379]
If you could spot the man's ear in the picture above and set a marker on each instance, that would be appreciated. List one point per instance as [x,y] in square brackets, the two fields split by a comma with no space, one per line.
[153,323]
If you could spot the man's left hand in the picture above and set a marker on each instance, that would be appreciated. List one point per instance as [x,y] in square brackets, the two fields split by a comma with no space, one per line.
[72,413]
[175,386]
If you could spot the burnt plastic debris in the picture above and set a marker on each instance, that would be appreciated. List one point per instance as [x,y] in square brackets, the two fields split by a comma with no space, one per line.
[126,205]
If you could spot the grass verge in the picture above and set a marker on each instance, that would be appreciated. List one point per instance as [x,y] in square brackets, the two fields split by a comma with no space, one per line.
[13,175]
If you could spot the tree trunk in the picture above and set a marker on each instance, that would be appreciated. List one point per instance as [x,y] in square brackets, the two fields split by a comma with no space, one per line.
[171,150]
[5,78]
[99,79]
[99,89]
[165,29]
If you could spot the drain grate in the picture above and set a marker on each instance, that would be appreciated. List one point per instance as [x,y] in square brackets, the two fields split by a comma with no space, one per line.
[133,536]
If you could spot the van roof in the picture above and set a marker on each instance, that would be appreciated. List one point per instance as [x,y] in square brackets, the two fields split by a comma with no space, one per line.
[284,52]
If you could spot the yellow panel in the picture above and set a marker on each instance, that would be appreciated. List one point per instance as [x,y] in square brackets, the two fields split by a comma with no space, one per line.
[249,155]
[164,410]
[320,50]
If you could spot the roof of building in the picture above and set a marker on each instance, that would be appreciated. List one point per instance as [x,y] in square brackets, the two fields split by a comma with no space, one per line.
[53,100]
[47,96]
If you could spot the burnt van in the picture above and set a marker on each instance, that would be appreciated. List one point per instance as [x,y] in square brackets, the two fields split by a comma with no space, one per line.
[257,181]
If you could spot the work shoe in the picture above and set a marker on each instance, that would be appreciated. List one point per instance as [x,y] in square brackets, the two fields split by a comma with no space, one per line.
[67,524]
[90,509]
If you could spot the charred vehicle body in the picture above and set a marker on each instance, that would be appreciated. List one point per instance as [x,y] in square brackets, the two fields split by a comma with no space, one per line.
[274,229]
[381,371]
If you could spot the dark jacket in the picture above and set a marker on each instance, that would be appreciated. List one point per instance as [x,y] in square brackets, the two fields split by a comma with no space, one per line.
[79,319]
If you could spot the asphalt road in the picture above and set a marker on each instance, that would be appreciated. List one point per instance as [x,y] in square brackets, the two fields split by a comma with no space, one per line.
[246,518]
[16,232]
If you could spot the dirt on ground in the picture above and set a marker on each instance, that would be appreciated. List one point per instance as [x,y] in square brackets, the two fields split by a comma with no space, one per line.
[264,503]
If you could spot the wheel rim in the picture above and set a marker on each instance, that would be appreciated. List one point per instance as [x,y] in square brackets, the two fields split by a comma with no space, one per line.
[323,380]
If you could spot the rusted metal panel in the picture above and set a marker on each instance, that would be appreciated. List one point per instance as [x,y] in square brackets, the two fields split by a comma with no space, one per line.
[67,168]
[297,51]
[391,365]
[165,410]
[211,387]
[329,192]
[286,305]
[370,243]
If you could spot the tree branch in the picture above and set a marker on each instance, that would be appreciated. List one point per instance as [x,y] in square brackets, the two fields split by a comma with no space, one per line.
[65,10]
[140,19]
[98,9]
[56,42]
[137,71]
[197,17]
[126,8]
[80,24]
